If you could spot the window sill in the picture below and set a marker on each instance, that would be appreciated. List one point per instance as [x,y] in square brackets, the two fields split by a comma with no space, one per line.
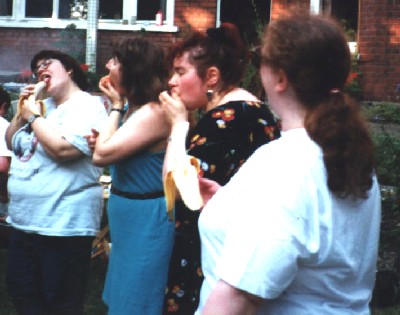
[116,25]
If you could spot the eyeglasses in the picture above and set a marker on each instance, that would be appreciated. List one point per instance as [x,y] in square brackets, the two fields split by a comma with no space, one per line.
[43,65]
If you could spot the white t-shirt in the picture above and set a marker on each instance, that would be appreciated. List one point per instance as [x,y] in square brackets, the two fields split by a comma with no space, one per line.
[276,231]
[56,198]
[3,146]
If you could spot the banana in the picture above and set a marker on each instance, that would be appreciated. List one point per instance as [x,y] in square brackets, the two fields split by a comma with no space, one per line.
[182,178]
[32,100]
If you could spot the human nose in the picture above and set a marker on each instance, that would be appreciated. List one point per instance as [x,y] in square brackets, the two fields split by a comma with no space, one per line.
[108,64]
[172,81]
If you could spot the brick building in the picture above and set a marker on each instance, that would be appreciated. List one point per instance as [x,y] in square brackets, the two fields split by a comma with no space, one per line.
[25,28]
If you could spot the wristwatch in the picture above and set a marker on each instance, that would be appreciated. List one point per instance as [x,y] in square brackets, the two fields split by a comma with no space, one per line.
[32,118]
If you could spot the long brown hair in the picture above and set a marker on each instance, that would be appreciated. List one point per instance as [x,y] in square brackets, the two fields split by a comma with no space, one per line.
[313,52]
[144,74]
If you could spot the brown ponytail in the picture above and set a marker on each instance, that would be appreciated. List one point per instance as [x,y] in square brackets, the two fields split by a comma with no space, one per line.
[338,128]
[313,53]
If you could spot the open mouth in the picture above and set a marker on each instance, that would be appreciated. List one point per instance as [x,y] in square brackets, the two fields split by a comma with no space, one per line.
[45,78]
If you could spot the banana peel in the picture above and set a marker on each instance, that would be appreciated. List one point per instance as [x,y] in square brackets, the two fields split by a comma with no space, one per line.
[36,107]
[183,178]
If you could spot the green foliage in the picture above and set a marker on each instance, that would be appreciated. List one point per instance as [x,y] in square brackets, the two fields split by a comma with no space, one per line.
[387,154]
[386,141]
[390,224]
[259,26]
[93,79]
[353,87]
[251,79]
[350,32]
[383,112]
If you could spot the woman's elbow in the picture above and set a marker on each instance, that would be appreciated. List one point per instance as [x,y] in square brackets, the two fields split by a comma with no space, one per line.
[98,160]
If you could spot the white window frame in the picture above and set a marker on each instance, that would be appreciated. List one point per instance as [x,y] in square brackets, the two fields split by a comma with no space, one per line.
[18,19]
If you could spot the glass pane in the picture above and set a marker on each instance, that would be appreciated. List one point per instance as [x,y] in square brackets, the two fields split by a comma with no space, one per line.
[39,8]
[147,9]
[110,9]
[72,9]
[5,7]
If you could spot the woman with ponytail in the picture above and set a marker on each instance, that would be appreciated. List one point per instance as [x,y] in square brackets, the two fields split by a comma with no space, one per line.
[207,69]
[296,230]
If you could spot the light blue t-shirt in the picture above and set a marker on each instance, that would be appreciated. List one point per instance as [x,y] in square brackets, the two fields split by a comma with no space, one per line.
[56,198]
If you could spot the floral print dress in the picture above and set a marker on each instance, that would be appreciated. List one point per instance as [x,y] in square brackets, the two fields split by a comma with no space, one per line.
[222,140]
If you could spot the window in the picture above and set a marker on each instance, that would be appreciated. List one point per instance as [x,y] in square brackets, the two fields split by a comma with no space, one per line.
[113,14]
[5,7]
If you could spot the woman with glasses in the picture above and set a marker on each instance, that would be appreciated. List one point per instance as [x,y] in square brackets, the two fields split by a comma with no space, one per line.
[55,195]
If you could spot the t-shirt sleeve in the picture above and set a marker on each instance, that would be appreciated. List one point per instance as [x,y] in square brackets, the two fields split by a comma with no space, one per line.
[273,226]
[3,146]
[91,115]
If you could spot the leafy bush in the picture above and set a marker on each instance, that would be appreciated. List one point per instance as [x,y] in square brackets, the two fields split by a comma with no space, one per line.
[382,112]
[387,154]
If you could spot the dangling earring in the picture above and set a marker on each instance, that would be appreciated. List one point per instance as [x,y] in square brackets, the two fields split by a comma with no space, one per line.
[210,94]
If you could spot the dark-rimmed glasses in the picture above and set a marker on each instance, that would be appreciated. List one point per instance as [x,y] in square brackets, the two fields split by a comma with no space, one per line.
[43,65]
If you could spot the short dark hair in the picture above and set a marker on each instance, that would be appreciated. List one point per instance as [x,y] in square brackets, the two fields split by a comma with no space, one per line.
[68,62]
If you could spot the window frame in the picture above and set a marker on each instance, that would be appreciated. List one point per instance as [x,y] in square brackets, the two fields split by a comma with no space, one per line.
[18,19]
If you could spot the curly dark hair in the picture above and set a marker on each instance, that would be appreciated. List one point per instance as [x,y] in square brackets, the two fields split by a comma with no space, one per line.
[314,54]
[144,74]
[68,62]
[222,47]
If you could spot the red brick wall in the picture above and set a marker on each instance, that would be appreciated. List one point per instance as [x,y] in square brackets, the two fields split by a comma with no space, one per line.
[379,48]
[198,14]
[279,7]
[18,45]
[379,40]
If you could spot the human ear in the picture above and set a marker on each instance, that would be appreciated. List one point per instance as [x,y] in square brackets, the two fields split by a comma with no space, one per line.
[212,76]
[282,81]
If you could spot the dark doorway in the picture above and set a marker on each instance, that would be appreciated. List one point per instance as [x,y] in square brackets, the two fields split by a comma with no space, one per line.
[249,16]
[346,11]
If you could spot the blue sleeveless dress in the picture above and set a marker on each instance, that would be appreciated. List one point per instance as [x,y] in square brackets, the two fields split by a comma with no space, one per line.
[141,235]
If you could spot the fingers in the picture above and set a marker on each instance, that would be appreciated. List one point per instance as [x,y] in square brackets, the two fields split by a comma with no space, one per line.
[208,188]
[94,132]
[164,97]
[27,90]
[91,139]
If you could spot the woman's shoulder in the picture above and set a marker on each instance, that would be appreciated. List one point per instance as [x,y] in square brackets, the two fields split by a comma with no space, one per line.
[151,111]
[150,114]
[248,110]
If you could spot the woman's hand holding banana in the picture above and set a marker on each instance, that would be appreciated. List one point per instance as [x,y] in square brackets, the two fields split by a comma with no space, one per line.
[181,169]
[29,97]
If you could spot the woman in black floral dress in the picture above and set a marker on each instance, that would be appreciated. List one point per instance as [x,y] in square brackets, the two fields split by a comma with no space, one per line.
[207,69]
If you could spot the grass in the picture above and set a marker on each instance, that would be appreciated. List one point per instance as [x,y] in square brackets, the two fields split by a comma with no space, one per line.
[394,310]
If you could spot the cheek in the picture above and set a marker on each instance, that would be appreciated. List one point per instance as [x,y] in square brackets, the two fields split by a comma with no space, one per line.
[191,84]
[192,95]
[265,78]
